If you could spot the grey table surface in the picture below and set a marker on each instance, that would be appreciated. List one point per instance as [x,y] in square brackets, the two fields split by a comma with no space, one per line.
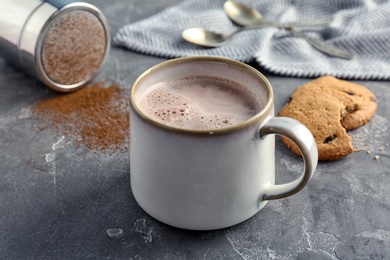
[80,205]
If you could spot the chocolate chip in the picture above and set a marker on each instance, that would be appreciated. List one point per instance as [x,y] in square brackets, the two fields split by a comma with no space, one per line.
[350,93]
[330,139]
[289,100]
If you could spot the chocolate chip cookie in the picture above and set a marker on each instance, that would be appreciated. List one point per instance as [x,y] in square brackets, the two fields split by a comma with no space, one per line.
[329,107]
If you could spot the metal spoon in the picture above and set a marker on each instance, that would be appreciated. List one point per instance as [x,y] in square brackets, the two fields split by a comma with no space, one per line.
[203,37]
[249,17]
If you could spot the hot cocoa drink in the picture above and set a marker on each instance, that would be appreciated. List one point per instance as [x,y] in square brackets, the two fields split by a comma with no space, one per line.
[202,147]
[199,102]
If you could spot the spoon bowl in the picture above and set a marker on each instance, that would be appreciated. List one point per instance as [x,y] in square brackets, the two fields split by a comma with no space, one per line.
[243,15]
[203,37]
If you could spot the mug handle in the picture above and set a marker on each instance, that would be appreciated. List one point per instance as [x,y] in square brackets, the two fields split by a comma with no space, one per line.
[302,137]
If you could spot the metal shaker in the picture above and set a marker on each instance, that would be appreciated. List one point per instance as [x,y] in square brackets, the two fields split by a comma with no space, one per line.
[62,43]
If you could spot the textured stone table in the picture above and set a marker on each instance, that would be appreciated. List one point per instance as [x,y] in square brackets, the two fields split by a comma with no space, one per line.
[80,205]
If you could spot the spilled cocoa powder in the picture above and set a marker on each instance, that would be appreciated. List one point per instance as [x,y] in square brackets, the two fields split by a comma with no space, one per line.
[96,116]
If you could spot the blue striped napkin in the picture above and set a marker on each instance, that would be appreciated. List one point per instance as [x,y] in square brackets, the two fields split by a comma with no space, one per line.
[361,26]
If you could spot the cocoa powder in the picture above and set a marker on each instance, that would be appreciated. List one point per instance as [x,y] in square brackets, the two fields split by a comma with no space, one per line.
[96,116]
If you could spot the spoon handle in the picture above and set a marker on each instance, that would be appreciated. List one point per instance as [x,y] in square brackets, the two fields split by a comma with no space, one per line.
[323,46]
[305,23]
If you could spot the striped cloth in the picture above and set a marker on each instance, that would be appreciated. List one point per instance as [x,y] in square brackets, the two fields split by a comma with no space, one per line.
[361,26]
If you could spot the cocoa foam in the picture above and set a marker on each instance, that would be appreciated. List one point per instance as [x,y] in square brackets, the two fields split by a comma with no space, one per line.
[199,102]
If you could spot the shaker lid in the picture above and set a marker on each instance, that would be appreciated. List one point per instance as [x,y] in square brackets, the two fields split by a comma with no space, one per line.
[71,45]
[74,47]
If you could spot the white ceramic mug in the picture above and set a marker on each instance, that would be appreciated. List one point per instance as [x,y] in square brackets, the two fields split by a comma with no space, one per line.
[201,179]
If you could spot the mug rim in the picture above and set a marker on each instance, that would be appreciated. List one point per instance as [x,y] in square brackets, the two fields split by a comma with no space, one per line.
[258,117]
